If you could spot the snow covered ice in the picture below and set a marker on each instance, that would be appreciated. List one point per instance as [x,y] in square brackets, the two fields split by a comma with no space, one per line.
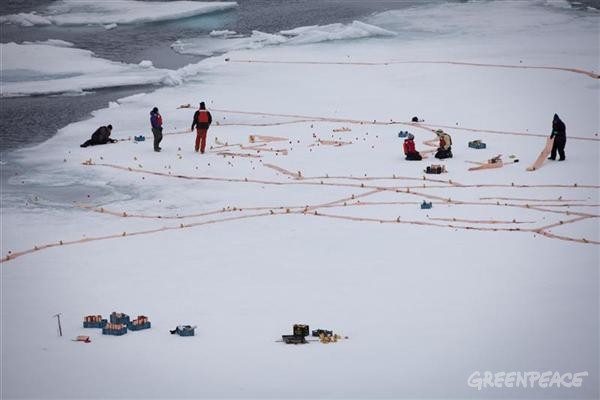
[304,210]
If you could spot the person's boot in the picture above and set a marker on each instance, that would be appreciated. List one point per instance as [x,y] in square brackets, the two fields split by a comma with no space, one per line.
[552,158]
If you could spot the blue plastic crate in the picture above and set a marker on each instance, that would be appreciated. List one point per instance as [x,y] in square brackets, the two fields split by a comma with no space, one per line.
[114,332]
[186,331]
[425,205]
[402,134]
[477,144]
[119,318]
[140,138]
[139,327]
[100,324]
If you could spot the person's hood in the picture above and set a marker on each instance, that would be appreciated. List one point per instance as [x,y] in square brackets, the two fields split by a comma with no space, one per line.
[556,118]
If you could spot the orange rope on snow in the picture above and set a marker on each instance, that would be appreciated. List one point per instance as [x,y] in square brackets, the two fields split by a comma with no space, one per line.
[12,256]
[266,139]
[284,171]
[474,221]
[526,199]
[470,228]
[591,74]
[296,121]
[431,127]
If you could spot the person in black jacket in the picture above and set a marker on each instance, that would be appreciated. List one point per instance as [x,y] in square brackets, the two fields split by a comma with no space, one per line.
[559,133]
[202,121]
[101,136]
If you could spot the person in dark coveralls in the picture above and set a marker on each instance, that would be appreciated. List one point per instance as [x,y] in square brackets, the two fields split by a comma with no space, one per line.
[202,121]
[156,122]
[101,136]
[559,133]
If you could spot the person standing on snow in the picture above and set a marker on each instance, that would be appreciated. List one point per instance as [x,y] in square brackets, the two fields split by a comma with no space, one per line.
[559,133]
[409,149]
[202,121]
[156,122]
[101,136]
[445,147]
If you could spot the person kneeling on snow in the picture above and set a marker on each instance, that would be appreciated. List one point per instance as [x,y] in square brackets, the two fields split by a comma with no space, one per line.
[409,149]
[445,147]
[101,136]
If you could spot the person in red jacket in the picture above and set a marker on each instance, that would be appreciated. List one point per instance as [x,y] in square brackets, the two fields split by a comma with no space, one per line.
[202,121]
[409,149]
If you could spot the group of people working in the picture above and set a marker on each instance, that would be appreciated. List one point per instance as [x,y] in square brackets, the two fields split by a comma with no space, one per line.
[202,120]
[559,134]
[444,147]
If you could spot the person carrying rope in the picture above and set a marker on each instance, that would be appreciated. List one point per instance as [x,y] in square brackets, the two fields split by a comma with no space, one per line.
[101,136]
[202,121]
[559,133]
[409,149]
[156,123]
[445,147]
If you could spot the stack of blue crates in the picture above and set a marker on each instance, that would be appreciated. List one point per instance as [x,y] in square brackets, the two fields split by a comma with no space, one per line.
[426,205]
[402,134]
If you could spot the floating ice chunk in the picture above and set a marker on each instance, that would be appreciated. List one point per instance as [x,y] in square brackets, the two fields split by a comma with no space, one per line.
[208,46]
[77,12]
[113,104]
[110,26]
[53,42]
[24,74]
[222,43]
[557,3]
[25,19]
[224,33]
[316,34]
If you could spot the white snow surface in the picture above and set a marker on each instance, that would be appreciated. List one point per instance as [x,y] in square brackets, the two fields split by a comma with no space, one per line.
[76,12]
[226,41]
[423,306]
